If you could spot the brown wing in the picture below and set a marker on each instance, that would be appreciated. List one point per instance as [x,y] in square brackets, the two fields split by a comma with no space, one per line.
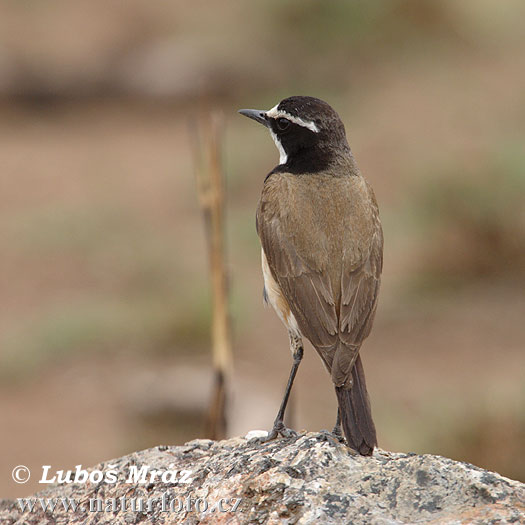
[303,284]
[359,294]
[334,312]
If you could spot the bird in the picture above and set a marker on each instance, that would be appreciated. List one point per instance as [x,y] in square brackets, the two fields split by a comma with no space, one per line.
[322,254]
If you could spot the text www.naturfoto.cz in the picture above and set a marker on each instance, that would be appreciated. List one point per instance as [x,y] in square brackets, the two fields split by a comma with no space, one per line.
[167,503]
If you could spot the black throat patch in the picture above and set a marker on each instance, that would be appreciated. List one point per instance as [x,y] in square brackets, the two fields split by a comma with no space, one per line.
[305,149]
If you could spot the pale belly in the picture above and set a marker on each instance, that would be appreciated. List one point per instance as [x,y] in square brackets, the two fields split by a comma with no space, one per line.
[276,298]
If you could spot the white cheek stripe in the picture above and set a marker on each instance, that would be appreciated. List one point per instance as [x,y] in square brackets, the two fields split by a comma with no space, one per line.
[276,113]
[283,157]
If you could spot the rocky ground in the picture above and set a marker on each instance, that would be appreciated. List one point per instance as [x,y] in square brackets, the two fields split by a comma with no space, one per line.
[307,479]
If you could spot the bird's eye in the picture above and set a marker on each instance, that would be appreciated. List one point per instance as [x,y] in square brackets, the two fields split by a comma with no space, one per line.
[282,124]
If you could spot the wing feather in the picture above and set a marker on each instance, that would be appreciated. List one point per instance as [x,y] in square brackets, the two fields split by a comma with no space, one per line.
[334,314]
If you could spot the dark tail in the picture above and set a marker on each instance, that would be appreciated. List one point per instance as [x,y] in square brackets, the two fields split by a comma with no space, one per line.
[356,416]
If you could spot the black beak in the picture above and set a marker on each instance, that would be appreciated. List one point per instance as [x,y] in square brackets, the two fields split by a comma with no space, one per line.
[255,114]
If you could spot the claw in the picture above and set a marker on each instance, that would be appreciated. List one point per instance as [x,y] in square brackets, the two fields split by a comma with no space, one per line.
[336,432]
[331,437]
[287,432]
[278,430]
[325,435]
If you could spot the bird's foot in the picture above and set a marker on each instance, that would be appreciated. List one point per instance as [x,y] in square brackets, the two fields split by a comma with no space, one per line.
[327,437]
[338,434]
[278,430]
[334,438]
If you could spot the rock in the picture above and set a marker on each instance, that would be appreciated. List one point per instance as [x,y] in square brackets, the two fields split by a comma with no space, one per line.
[307,479]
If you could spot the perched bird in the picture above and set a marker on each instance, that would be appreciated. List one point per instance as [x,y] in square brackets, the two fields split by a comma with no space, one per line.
[322,253]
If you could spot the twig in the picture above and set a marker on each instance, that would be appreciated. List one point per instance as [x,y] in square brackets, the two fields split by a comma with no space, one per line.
[207,145]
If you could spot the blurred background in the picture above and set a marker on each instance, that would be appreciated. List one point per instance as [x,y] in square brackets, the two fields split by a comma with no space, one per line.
[105,311]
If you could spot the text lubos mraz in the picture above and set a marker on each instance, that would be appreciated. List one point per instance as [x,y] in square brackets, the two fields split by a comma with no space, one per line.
[136,475]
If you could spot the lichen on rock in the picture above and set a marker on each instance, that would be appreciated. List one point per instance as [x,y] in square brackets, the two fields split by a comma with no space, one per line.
[307,479]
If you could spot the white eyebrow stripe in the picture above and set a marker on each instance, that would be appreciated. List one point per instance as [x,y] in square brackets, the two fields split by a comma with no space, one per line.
[276,113]
[272,112]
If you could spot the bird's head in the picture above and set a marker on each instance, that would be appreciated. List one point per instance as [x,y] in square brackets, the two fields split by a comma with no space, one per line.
[307,132]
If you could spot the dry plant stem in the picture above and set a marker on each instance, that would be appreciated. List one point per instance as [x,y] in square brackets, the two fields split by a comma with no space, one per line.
[210,187]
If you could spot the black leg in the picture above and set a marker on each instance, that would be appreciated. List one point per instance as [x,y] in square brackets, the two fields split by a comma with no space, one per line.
[325,435]
[278,425]
[337,432]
